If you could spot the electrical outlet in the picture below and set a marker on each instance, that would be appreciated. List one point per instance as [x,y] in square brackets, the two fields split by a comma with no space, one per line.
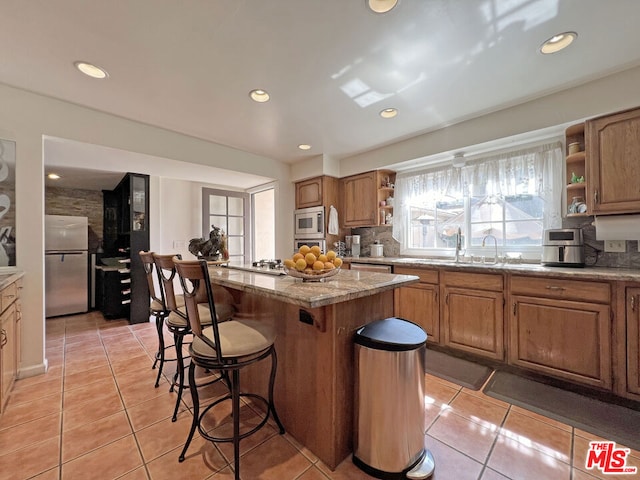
[615,246]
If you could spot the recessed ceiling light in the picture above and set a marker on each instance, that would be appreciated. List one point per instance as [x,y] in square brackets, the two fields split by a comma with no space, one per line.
[381,6]
[53,176]
[558,42]
[259,95]
[304,146]
[388,113]
[91,70]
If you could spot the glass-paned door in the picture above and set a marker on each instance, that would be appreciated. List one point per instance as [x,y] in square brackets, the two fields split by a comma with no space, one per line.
[229,211]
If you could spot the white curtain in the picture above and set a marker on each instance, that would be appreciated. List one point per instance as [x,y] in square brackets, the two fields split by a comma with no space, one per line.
[500,174]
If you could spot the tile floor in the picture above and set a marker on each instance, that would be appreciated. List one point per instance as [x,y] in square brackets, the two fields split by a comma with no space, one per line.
[96,415]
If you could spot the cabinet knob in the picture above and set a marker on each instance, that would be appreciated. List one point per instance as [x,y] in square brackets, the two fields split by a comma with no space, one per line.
[633,303]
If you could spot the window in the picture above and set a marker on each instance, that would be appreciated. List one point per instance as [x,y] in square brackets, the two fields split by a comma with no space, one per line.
[264,238]
[510,197]
[230,212]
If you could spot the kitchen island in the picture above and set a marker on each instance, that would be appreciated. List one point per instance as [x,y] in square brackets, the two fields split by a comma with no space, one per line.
[315,323]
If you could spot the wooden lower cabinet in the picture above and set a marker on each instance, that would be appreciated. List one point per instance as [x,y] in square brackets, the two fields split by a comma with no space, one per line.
[633,340]
[418,302]
[473,313]
[561,331]
[9,340]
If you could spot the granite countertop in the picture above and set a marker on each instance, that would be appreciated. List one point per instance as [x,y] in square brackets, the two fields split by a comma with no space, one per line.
[7,278]
[533,269]
[344,286]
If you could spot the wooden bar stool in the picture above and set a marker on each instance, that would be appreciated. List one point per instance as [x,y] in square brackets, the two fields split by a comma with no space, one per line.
[159,311]
[227,347]
[177,322]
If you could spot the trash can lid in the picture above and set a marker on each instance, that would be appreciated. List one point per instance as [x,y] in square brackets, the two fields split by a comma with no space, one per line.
[393,334]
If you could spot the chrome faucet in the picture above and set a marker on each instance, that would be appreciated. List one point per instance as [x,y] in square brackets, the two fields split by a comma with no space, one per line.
[458,244]
[495,244]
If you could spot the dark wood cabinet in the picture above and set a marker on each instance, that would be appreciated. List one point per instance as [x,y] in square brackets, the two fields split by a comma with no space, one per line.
[126,232]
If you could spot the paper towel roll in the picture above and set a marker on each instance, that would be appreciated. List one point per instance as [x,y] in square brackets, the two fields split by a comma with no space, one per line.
[617,227]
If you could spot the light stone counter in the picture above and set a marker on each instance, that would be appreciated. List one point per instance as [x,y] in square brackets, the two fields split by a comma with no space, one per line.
[7,278]
[343,287]
[532,269]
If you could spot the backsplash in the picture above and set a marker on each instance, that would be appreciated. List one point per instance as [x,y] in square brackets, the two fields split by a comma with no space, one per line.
[81,203]
[368,235]
[594,249]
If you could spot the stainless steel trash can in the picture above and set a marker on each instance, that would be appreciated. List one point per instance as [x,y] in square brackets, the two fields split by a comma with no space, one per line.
[389,397]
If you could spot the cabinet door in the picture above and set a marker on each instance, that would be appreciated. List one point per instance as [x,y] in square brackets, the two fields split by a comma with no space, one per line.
[419,304]
[359,205]
[613,170]
[633,340]
[309,193]
[7,351]
[473,321]
[566,339]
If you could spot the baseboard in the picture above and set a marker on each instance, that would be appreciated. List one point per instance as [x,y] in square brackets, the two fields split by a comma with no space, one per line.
[33,370]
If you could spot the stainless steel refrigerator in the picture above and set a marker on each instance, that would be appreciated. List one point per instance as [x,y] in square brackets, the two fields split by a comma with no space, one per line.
[66,265]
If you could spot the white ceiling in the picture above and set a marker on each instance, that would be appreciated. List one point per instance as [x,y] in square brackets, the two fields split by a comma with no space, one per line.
[329,65]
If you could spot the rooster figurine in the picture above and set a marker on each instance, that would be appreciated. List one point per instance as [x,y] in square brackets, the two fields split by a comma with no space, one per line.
[211,248]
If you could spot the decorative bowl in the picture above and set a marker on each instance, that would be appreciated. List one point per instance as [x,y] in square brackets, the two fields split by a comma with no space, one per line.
[316,276]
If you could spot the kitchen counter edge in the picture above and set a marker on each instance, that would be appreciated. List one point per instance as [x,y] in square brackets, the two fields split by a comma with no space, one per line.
[344,286]
[533,269]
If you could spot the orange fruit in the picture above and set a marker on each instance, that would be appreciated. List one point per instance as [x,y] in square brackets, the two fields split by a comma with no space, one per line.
[323,258]
[297,256]
[318,265]
[331,255]
[301,264]
[290,263]
[304,249]
[329,266]
[337,261]
[316,250]
[310,258]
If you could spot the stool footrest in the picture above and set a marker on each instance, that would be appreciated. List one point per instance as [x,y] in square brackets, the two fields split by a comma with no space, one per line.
[243,435]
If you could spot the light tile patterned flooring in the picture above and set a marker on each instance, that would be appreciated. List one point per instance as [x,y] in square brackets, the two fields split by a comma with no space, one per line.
[96,415]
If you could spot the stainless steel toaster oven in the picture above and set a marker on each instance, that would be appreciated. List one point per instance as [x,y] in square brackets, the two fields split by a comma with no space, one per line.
[563,247]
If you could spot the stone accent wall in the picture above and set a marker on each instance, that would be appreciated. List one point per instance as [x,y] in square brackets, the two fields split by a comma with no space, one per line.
[81,203]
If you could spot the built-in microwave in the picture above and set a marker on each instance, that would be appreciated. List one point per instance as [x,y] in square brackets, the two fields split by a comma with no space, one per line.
[298,242]
[309,223]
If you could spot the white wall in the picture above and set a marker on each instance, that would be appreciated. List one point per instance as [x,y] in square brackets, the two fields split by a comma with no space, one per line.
[609,94]
[26,117]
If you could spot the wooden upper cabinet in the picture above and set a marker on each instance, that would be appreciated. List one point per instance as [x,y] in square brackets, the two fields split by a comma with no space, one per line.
[309,193]
[359,200]
[613,165]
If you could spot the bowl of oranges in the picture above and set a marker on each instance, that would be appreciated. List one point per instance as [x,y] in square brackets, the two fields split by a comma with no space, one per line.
[311,265]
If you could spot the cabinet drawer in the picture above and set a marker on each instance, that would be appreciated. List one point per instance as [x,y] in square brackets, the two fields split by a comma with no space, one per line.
[561,288]
[426,275]
[8,296]
[478,281]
